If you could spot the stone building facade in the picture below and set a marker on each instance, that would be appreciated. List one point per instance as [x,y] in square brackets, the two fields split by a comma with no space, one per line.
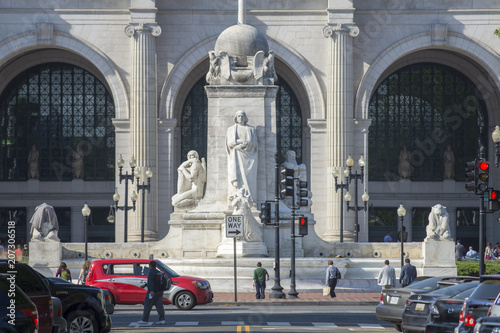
[365,77]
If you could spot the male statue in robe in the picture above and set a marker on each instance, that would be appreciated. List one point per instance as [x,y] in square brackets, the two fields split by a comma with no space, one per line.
[241,146]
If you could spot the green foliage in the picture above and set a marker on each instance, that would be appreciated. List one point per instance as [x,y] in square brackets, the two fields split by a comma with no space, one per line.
[471,268]
[497,32]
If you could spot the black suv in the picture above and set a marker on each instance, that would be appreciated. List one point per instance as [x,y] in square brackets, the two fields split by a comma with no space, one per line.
[478,303]
[82,306]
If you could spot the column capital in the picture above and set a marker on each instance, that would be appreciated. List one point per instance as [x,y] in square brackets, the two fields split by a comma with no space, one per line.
[350,29]
[154,29]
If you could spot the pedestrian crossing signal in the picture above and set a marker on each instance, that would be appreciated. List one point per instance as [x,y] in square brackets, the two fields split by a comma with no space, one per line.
[302,225]
[493,199]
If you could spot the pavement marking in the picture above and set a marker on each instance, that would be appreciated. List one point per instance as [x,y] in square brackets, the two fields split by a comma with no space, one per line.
[187,323]
[233,323]
[325,324]
[247,329]
[371,326]
[278,323]
[136,324]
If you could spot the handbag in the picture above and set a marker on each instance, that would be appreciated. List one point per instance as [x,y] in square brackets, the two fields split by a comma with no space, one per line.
[326,291]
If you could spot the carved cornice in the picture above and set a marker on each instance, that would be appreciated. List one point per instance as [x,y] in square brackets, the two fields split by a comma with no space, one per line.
[153,29]
[350,29]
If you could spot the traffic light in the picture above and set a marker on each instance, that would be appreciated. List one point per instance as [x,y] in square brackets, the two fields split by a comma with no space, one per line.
[493,198]
[287,182]
[482,176]
[470,176]
[302,225]
[303,194]
[265,212]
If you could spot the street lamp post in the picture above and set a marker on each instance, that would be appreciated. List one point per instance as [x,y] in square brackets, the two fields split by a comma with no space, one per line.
[341,186]
[133,197]
[365,197]
[86,213]
[401,214]
[143,188]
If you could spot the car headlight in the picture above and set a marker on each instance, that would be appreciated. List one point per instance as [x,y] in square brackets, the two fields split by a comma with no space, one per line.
[202,285]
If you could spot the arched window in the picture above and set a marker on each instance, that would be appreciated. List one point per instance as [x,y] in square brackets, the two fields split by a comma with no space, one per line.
[426,108]
[58,108]
[195,114]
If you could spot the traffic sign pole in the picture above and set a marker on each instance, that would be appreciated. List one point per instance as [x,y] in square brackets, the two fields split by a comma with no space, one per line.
[234,229]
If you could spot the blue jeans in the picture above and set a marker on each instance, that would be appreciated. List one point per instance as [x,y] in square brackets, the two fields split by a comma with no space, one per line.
[157,301]
[260,289]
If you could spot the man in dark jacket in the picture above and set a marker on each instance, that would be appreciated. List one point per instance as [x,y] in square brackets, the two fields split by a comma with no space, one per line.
[153,297]
[408,273]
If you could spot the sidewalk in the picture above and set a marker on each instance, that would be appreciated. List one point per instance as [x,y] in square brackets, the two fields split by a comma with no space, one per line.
[309,298]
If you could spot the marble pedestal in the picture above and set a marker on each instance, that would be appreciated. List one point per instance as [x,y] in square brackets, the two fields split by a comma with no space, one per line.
[243,249]
[45,253]
[439,258]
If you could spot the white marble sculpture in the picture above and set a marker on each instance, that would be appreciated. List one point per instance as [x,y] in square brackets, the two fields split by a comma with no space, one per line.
[242,155]
[404,164]
[438,227]
[44,224]
[78,162]
[449,163]
[191,179]
[242,204]
[33,156]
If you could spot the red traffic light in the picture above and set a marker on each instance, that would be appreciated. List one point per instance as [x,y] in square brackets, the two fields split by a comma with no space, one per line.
[483,166]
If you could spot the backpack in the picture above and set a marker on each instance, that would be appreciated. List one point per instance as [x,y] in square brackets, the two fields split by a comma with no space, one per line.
[162,282]
[64,274]
[338,275]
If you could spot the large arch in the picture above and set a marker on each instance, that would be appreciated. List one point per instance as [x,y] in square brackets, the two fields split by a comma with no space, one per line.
[481,54]
[22,44]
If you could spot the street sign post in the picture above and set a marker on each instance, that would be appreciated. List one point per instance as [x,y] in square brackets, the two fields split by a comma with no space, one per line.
[234,229]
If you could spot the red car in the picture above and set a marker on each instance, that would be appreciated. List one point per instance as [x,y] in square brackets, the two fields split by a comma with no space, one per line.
[125,280]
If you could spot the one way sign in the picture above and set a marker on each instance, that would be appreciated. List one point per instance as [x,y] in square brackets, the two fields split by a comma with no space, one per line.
[234,226]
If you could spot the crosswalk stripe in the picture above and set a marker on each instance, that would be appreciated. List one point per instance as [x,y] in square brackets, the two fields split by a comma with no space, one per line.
[233,323]
[325,324]
[186,323]
[278,323]
[370,326]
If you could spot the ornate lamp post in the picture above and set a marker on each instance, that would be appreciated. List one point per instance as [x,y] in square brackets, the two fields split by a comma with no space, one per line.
[495,135]
[133,197]
[347,197]
[401,214]
[341,186]
[143,188]
[86,213]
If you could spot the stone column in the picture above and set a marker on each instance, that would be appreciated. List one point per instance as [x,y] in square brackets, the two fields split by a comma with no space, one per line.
[339,119]
[143,124]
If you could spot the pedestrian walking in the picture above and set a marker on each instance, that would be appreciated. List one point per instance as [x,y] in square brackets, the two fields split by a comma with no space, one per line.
[84,272]
[332,276]
[260,276]
[63,272]
[459,250]
[408,273]
[154,296]
[387,276]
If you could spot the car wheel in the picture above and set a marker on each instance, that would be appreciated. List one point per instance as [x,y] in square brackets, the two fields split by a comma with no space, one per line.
[82,321]
[185,300]
[112,298]
[397,327]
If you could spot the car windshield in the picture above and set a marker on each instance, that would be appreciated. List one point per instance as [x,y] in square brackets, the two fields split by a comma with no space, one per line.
[464,294]
[488,290]
[452,290]
[427,284]
[167,269]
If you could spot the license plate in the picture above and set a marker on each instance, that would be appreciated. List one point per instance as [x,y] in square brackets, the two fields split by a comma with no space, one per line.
[420,306]
[393,300]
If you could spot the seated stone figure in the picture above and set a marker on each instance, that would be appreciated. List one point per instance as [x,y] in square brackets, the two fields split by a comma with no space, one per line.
[438,227]
[192,176]
[44,224]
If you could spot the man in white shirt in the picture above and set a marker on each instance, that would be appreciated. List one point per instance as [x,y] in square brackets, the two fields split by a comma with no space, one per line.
[471,252]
